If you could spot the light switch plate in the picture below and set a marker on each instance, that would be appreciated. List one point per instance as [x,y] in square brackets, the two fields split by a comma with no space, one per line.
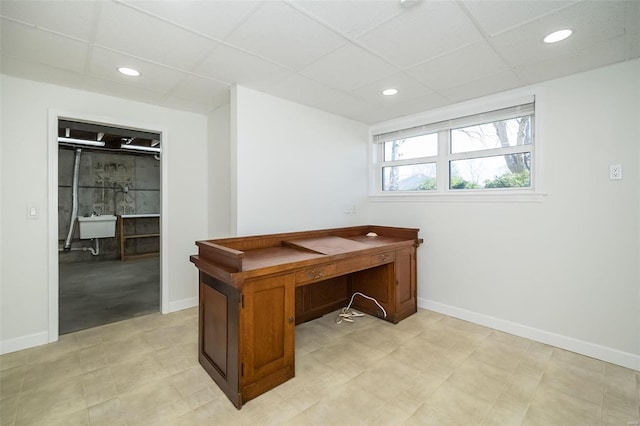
[32,212]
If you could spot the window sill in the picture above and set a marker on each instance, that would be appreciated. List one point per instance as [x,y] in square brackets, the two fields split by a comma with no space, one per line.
[462,197]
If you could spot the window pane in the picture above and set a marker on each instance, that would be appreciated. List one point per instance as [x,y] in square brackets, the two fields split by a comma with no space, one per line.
[416,147]
[502,171]
[499,134]
[415,177]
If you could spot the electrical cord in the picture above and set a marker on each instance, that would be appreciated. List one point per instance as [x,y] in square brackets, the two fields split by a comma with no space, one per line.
[347,315]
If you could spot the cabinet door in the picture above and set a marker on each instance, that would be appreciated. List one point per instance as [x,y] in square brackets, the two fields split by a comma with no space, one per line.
[405,271]
[268,333]
[218,334]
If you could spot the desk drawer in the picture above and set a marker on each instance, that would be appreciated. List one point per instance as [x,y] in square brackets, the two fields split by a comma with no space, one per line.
[315,273]
[381,258]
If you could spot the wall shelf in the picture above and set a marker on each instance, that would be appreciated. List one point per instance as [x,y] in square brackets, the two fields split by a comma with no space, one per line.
[134,227]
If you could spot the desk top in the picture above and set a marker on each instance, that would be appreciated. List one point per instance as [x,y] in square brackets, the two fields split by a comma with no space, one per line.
[236,258]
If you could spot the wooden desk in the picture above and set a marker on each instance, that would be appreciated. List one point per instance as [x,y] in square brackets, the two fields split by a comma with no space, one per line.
[253,290]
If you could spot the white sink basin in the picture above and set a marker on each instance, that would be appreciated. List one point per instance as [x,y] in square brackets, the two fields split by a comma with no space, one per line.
[103,226]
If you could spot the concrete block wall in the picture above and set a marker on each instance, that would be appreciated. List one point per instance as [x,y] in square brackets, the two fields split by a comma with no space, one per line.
[108,183]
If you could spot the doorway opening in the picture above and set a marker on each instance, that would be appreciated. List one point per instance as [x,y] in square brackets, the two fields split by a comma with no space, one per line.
[109,204]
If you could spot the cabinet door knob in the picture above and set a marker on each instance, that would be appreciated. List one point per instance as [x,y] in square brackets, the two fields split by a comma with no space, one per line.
[290,319]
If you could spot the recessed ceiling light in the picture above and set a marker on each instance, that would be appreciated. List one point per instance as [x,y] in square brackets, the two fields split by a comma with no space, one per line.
[389,92]
[129,71]
[557,36]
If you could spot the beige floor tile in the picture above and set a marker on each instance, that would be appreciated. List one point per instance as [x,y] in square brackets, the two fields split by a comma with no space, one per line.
[577,360]
[458,406]
[190,381]
[430,416]
[498,354]
[137,371]
[384,339]
[619,401]
[507,411]
[429,353]
[8,409]
[98,386]
[43,373]
[385,379]
[12,360]
[58,398]
[52,352]
[175,359]
[121,350]
[534,361]
[509,339]
[522,387]
[150,399]
[616,418]
[107,413]
[428,369]
[552,407]
[11,381]
[77,418]
[587,384]
[348,404]
[480,379]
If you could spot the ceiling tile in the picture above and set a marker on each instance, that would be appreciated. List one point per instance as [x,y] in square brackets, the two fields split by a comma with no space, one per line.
[459,67]
[303,90]
[497,16]
[348,67]
[239,67]
[594,56]
[200,90]
[482,86]
[104,65]
[402,109]
[138,34]
[422,32]
[54,15]
[193,106]
[42,47]
[284,35]
[406,85]
[352,17]
[344,104]
[119,90]
[40,72]
[212,18]
[591,22]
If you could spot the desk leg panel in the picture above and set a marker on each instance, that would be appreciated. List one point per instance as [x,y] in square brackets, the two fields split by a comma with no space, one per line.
[218,335]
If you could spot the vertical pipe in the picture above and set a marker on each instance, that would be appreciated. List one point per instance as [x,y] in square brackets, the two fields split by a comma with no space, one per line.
[74,199]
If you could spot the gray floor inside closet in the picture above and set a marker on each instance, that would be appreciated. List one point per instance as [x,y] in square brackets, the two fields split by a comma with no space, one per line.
[101,292]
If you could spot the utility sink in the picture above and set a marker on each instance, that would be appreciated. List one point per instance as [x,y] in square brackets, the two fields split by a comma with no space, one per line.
[103,226]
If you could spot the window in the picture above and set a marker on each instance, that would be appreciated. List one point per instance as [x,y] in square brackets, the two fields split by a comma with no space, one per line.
[492,151]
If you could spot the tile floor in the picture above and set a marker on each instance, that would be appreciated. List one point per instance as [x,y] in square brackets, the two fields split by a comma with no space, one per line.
[428,370]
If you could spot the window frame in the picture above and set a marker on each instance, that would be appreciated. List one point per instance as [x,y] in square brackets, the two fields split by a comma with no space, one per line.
[455,117]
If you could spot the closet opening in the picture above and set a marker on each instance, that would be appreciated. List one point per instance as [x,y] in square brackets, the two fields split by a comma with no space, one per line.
[109,203]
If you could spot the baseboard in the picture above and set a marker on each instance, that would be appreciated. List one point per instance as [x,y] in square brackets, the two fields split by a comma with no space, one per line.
[179,305]
[24,342]
[593,350]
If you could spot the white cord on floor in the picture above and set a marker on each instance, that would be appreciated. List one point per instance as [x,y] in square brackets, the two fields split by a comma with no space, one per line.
[346,315]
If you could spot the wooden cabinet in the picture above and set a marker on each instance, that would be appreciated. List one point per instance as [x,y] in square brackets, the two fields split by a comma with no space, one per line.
[253,290]
[267,328]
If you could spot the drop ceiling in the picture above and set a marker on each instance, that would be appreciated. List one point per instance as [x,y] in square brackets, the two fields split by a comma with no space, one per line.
[336,56]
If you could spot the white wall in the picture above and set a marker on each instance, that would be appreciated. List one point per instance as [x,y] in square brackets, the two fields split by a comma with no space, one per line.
[219,169]
[296,168]
[24,246]
[565,270]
